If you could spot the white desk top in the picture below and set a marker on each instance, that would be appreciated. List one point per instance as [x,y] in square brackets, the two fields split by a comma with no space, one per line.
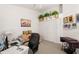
[16,50]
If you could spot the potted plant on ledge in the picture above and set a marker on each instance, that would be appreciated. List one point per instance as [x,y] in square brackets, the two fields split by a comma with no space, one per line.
[46,15]
[41,18]
[55,14]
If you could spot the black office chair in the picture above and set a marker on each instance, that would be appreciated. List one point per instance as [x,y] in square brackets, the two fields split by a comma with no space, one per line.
[34,42]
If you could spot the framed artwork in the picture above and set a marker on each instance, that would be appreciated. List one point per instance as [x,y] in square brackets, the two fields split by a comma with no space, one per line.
[27,32]
[70,20]
[74,25]
[77,17]
[67,26]
[25,23]
[65,20]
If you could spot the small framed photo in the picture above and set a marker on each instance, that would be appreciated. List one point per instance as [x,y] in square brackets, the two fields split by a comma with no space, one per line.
[77,18]
[65,20]
[70,20]
[67,26]
[74,25]
[27,32]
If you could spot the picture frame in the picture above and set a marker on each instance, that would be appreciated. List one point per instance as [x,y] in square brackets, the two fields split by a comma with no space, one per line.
[74,26]
[77,18]
[67,26]
[65,20]
[27,32]
[70,19]
[25,23]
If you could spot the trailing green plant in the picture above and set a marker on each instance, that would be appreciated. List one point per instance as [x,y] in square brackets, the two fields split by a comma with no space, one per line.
[41,17]
[55,14]
[46,15]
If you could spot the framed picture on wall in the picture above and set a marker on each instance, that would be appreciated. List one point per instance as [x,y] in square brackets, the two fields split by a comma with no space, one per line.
[77,18]
[74,25]
[70,20]
[25,23]
[67,26]
[27,32]
[65,20]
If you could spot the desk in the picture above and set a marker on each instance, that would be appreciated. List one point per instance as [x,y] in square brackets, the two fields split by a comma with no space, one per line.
[16,50]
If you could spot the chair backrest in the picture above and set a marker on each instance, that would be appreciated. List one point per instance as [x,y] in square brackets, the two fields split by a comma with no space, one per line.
[34,40]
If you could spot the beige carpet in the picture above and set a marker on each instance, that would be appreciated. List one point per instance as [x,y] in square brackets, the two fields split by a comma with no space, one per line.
[47,47]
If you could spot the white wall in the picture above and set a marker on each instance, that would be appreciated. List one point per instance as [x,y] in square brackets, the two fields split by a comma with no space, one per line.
[51,29]
[10,16]
[71,9]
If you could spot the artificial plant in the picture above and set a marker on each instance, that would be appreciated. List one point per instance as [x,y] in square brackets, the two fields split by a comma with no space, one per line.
[41,17]
[55,14]
[46,15]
